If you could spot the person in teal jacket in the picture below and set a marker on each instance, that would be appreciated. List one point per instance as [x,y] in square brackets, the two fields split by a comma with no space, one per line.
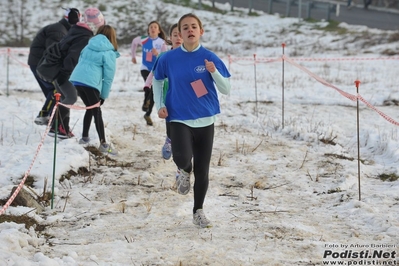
[93,77]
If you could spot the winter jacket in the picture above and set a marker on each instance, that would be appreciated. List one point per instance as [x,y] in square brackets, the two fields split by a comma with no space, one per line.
[71,46]
[45,37]
[97,65]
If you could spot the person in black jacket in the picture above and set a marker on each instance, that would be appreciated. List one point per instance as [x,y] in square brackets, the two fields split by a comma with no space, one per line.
[45,37]
[71,46]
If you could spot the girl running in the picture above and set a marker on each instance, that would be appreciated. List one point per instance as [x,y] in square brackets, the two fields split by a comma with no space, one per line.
[191,105]
[153,44]
[176,41]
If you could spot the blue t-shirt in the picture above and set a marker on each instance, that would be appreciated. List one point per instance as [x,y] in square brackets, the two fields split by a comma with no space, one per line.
[181,68]
[147,43]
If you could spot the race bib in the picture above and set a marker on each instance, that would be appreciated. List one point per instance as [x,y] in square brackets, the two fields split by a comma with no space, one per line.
[148,56]
[199,88]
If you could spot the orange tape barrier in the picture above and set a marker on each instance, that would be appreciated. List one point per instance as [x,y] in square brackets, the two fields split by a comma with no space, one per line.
[231,59]
[268,60]
[345,94]
[253,59]
[76,107]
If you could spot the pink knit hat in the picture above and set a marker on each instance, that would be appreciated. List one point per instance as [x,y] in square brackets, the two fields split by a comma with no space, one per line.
[93,18]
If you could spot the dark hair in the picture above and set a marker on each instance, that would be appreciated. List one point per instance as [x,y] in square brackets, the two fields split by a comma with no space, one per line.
[169,41]
[172,28]
[73,16]
[189,15]
[161,33]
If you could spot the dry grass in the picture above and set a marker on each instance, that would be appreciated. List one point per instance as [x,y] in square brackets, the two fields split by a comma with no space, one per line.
[388,177]
[22,219]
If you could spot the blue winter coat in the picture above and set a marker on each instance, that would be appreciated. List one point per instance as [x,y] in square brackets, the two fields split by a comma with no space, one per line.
[97,65]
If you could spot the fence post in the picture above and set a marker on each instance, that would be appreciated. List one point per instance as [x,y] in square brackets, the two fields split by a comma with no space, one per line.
[299,10]
[250,7]
[288,8]
[328,11]
[357,82]
[57,100]
[256,87]
[282,90]
[270,6]
[232,5]
[8,70]
[308,8]
[199,4]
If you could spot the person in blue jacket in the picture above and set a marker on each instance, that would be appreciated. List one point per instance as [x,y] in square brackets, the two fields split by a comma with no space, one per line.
[93,77]
[191,105]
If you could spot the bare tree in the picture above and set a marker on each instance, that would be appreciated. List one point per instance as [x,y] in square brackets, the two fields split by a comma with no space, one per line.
[18,16]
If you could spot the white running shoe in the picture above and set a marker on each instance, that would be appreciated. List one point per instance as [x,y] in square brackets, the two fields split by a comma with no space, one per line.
[167,149]
[107,149]
[84,140]
[183,182]
[41,120]
[200,219]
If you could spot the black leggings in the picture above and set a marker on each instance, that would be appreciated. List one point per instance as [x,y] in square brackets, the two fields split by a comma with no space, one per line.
[167,124]
[193,143]
[68,96]
[48,90]
[148,95]
[91,96]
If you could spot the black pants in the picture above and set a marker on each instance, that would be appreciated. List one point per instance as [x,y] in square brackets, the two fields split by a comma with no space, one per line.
[167,124]
[148,95]
[68,96]
[193,143]
[91,96]
[48,90]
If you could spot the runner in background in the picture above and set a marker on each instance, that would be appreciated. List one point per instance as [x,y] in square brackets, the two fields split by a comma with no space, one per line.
[152,45]
[176,41]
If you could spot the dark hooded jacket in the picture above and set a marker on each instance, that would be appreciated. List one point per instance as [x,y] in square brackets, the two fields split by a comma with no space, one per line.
[45,37]
[71,46]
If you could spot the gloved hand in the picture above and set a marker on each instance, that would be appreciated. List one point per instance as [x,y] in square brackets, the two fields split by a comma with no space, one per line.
[62,78]
[101,101]
[146,89]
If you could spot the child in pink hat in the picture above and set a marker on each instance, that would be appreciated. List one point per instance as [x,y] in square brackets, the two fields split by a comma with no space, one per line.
[93,19]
